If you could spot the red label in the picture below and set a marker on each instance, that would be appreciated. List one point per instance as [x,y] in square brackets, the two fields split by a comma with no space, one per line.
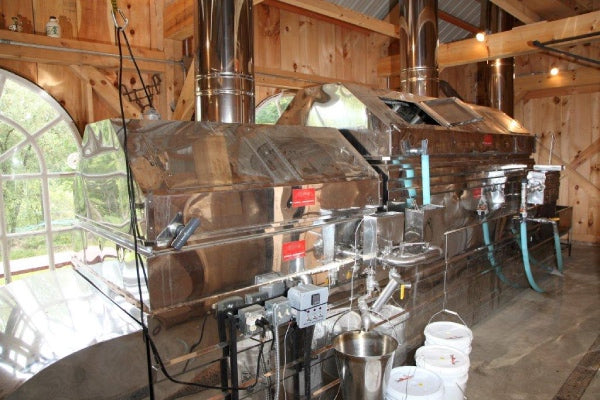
[303,197]
[476,192]
[293,250]
[488,140]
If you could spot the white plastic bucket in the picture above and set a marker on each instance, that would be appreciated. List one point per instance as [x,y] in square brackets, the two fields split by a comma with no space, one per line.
[452,365]
[414,383]
[451,334]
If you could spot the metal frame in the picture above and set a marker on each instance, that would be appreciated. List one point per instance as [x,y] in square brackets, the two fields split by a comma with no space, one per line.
[544,46]
[44,176]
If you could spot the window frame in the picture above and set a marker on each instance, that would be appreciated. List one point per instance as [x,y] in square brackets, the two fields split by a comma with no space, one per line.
[44,176]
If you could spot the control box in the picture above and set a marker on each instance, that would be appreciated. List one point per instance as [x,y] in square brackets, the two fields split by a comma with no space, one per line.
[309,304]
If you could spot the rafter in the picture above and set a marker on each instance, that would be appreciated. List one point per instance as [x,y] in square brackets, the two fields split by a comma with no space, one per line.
[179,16]
[504,44]
[519,10]
[451,19]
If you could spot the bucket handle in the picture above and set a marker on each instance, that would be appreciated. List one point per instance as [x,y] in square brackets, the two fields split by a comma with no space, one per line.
[445,310]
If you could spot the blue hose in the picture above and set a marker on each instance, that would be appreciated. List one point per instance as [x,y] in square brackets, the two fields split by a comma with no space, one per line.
[525,252]
[490,255]
[557,248]
[426,183]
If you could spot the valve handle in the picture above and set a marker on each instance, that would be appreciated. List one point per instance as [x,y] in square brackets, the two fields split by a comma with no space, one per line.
[184,234]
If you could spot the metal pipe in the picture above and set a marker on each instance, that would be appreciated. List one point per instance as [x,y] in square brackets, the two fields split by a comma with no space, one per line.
[224,71]
[388,291]
[412,260]
[497,76]
[419,27]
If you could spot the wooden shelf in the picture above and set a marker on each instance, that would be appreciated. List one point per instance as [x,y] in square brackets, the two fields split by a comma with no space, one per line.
[38,48]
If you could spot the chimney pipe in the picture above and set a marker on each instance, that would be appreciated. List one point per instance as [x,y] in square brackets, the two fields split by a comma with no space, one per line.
[224,67]
[420,72]
[496,76]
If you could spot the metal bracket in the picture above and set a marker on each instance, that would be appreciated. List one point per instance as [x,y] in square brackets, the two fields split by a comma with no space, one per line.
[544,46]
[139,95]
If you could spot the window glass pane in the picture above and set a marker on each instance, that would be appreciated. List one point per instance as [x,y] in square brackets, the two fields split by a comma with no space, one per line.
[61,202]
[9,137]
[269,111]
[63,245]
[28,109]
[27,254]
[22,161]
[59,148]
[23,205]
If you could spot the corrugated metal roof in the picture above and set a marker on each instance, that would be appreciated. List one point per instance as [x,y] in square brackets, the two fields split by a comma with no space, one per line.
[466,10]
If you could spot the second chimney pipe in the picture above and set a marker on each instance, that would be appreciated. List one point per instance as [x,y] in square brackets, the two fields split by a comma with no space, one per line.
[496,76]
[419,19]
[224,67]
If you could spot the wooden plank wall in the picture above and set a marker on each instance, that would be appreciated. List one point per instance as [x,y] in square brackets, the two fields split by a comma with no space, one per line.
[284,41]
[572,116]
[91,21]
[298,43]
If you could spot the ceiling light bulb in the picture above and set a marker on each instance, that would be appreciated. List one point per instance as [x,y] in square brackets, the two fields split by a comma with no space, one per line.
[480,37]
[554,71]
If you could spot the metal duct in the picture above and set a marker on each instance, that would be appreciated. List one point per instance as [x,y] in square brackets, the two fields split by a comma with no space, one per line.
[224,72]
[420,72]
[496,76]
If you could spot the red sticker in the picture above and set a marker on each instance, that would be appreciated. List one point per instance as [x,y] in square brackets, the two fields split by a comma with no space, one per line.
[293,250]
[488,140]
[303,197]
[476,192]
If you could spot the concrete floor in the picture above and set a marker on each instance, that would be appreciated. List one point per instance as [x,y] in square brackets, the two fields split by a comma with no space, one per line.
[534,347]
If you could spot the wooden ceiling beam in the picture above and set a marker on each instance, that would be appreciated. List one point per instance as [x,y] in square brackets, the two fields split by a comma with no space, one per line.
[444,16]
[519,10]
[511,43]
[179,16]
[338,13]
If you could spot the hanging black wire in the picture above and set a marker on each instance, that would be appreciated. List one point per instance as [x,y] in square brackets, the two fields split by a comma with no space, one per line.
[151,349]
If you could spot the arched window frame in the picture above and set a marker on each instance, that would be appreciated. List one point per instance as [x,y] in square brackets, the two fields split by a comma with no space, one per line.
[44,175]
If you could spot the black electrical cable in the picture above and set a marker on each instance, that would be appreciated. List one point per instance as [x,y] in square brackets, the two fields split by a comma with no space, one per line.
[151,348]
[136,68]
[197,343]
[133,222]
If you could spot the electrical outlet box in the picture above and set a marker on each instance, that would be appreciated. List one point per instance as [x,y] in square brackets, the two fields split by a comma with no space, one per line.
[309,304]
[255,297]
[248,317]
[279,311]
[272,287]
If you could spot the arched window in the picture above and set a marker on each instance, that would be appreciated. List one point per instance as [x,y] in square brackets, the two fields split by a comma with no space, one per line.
[39,151]
[270,109]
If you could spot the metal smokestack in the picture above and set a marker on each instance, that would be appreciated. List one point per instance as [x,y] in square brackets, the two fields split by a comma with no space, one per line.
[496,76]
[224,67]
[420,72]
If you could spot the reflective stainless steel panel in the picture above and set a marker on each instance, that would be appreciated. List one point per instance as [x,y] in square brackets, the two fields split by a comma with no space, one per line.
[46,319]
